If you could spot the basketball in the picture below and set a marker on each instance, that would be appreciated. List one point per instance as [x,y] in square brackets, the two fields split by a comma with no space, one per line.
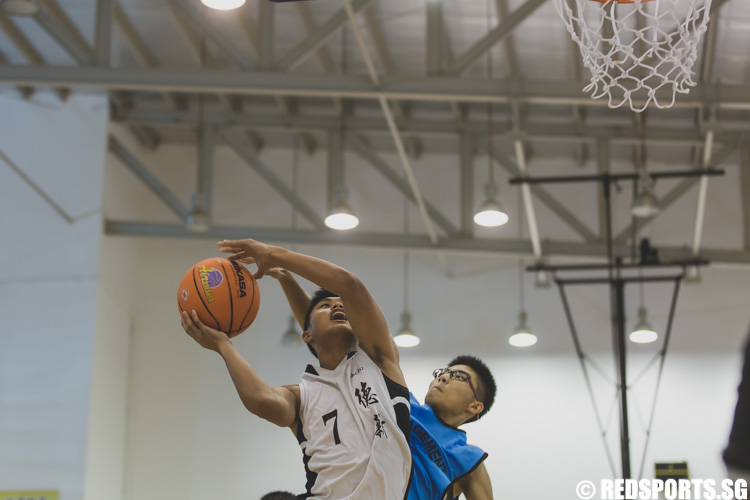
[223,293]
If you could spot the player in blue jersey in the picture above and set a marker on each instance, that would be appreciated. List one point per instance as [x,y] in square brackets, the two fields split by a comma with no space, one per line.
[445,465]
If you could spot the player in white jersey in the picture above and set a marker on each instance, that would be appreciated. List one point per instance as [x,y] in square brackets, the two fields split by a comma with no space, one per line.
[350,414]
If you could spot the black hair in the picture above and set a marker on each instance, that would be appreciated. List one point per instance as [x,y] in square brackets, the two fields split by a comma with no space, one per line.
[319,295]
[486,386]
[279,495]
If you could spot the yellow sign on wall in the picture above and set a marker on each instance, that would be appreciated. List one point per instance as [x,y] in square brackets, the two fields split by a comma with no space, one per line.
[30,495]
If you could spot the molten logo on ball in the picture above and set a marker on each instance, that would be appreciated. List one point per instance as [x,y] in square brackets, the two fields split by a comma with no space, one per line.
[210,278]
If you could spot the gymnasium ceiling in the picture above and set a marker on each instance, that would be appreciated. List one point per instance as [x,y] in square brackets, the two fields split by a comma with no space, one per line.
[271,75]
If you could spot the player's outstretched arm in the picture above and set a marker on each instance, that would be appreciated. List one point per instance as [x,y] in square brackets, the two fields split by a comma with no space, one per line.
[297,297]
[475,486]
[362,311]
[278,405]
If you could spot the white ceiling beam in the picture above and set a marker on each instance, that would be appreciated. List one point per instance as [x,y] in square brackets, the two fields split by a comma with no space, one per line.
[622,135]
[398,182]
[139,48]
[378,39]
[496,35]
[243,15]
[433,38]
[25,92]
[326,30]
[509,44]
[148,179]
[29,52]
[103,33]
[58,25]
[400,241]
[187,33]
[442,89]
[267,22]
[308,22]
[195,16]
[235,141]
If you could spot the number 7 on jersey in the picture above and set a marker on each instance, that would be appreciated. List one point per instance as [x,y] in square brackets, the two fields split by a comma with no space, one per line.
[333,415]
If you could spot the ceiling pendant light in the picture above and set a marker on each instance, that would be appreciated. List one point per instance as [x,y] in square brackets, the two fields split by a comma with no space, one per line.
[645,203]
[291,337]
[197,222]
[522,336]
[406,336]
[643,333]
[223,4]
[490,212]
[342,218]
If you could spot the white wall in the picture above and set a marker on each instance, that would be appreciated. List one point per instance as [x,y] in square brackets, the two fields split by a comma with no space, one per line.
[48,288]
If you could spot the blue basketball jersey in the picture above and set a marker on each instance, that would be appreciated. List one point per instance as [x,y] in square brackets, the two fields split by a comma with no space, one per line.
[440,454]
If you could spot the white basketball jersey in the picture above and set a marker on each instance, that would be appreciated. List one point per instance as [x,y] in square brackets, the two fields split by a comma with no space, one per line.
[353,431]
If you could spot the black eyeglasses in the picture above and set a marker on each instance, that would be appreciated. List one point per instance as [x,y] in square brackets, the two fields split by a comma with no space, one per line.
[457,375]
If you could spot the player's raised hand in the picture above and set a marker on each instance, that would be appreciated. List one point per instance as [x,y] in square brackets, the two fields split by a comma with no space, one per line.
[206,336]
[260,253]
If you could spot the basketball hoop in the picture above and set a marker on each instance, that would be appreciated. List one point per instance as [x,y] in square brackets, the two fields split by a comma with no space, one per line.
[638,51]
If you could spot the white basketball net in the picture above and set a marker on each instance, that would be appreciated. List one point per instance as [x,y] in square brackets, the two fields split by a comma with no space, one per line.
[637,52]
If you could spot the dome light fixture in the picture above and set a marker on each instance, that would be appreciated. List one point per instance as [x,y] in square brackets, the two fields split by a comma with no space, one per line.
[342,218]
[291,337]
[490,212]
[643,333]
[406,336]
[223,4]
[645,204]
[522,336]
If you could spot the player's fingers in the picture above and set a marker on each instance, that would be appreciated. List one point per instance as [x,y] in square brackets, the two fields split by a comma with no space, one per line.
[187,324]
[196,319]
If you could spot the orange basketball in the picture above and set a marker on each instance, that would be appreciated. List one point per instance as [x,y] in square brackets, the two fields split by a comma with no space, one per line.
[223,293]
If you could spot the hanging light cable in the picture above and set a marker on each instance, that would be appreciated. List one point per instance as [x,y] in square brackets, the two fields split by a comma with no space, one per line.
[406,336]
[342,216]
[522,336]
[198,220]
[490,213]
[645,203]
[643,332]
[291,336]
